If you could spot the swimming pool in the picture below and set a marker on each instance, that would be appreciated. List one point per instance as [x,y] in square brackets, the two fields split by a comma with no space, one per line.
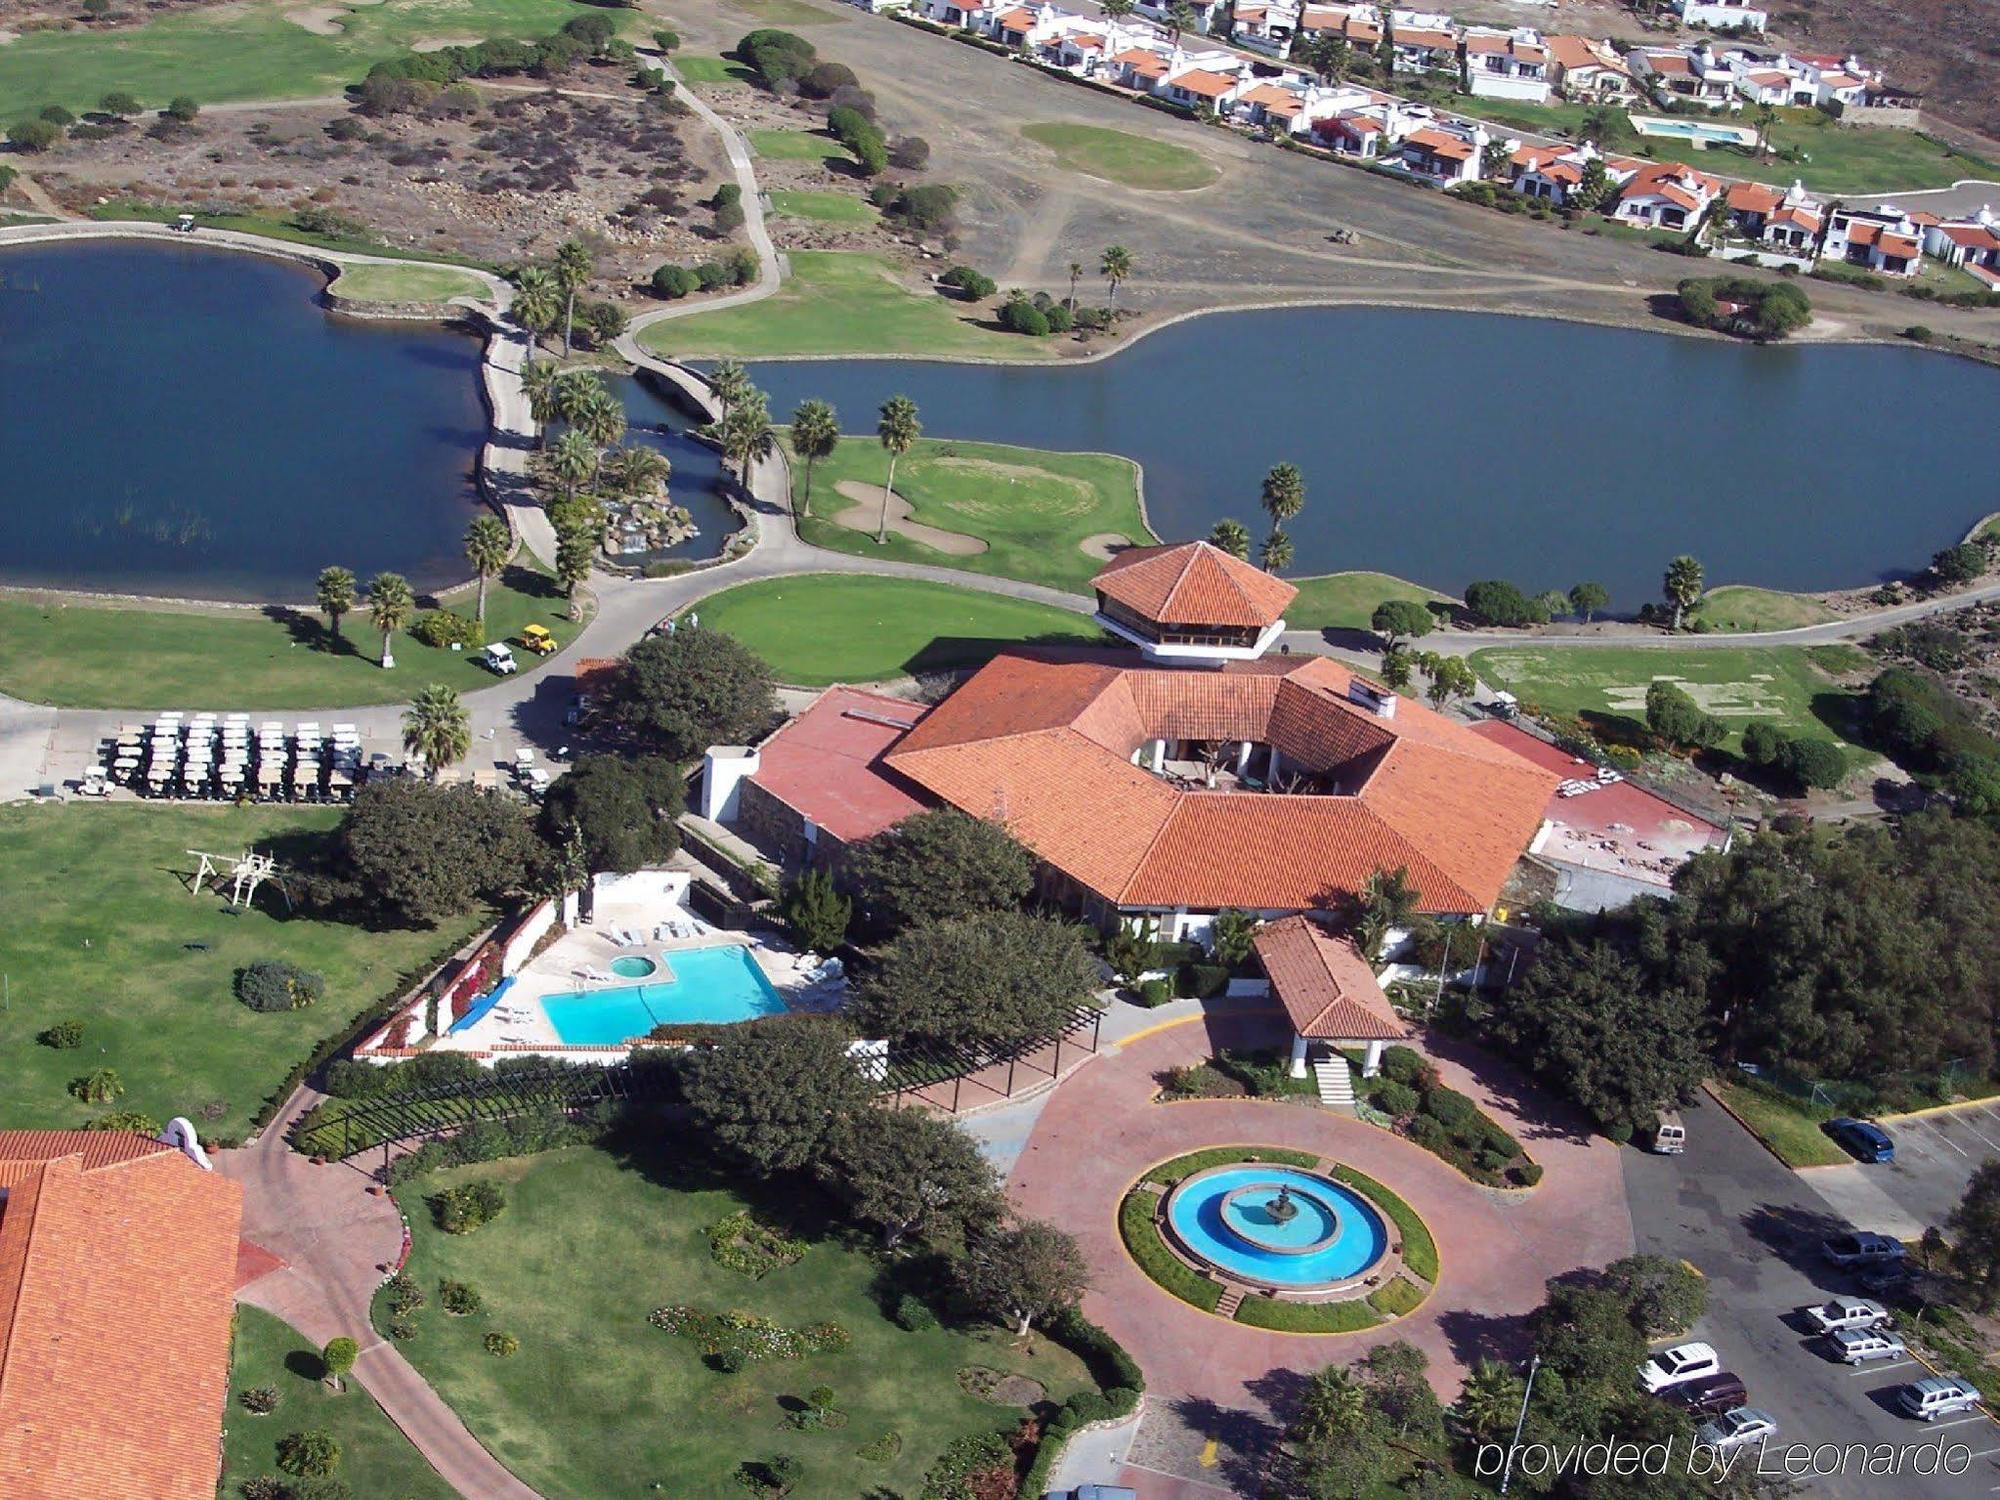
[718,984]
[1691,130]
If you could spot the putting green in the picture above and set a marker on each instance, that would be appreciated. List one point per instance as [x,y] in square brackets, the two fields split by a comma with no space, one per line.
[1136,161]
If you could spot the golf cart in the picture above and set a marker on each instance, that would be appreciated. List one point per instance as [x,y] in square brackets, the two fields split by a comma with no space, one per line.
[538,639]
[499,660]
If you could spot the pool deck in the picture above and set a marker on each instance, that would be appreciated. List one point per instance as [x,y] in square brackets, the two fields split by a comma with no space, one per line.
[520,1020]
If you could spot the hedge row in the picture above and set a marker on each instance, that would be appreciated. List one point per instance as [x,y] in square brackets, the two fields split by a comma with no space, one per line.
[1141,1232]
[1119,1383]
[1419,1249]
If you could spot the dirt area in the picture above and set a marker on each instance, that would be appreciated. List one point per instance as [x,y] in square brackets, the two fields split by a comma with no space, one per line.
[999,1387]
[505,182]
[67,15]
[865,514]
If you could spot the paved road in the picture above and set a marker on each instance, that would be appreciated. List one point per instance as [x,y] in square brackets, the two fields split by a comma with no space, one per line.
[1753,1229]
[1936,1155]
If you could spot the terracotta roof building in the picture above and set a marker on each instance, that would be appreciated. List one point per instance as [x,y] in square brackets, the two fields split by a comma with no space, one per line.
[1328,991]
[1191,602]
[117,1267]
[1146,789]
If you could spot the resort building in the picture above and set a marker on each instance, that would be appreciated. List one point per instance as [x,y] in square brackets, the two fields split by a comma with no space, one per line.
[1587,71]
[1444,153]
[1884,239]
[1694,75]
[1329,992]
[1666,195]
[1554,173]
[1787,221]
[1972,245]
[1507,64]
[1721,15]
[1191,603]
[117,1276]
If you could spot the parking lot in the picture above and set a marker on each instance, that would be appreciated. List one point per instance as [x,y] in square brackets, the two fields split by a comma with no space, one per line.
[1935,1157]
[1754,1228]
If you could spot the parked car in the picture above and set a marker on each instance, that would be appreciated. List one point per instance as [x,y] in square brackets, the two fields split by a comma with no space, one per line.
[1847,1312]
[1103,1492]
[1736,1429]
[1862,1249]
[1863,1138]
[1888,1279]
[1853,1346]
[1710,1396]
[1682,1362]
[1938,1396]
[1668,1136]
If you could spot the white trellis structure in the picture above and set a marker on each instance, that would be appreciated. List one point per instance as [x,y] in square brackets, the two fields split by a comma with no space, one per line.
[245,872]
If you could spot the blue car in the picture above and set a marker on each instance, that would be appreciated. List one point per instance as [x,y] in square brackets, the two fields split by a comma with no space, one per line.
[1867,1141]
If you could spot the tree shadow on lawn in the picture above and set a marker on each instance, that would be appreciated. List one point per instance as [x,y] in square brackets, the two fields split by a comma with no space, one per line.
[535,585]
[310,631]
[947,653]
[674,1160]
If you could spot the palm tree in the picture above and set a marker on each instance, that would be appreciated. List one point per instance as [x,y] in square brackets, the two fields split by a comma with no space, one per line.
[1180,17]
[537,303]
[1766,118]
[437,727]
[899,430]
[1332,1406]
[488,545]
[1116,266]
[637,471]
[1284,494]
[1117,10]
[541,383]
[1682,585]
[574,393]
[815,434]
[336,594]
[1075,275]
[389,604]
[1490,1398]
[573,268]
[1276,553]
[746,433]
[730,383]
[568,463]
[576,553]
[1232,537]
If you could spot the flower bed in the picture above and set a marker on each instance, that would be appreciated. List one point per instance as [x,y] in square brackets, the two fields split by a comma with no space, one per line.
[1444,1122]
[747,1336]
[744,1243]
[1420,1252]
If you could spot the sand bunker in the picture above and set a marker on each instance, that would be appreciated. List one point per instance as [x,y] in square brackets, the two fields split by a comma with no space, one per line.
[320,20]
[439,43]
[866,513]
[1105,545]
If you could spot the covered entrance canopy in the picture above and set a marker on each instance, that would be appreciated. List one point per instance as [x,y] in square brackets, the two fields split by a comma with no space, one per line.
[1328,990]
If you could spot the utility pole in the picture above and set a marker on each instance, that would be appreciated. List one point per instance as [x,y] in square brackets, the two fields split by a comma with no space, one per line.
[1507,1473]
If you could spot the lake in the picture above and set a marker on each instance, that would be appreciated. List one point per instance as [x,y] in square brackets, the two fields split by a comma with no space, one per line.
[1447,447]
[190,422]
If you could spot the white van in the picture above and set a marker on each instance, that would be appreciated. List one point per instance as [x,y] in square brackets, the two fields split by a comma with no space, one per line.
[1669,1137]
[499,660]
[1939,1396]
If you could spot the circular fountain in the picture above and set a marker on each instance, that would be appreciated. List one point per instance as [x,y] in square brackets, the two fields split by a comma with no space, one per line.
[1277,1227]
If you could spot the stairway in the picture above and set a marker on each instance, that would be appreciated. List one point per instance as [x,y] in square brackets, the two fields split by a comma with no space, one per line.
[1229,1301]
[1336,1086]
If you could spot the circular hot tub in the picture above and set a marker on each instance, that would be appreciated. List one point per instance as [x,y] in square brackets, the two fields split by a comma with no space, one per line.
[633,966]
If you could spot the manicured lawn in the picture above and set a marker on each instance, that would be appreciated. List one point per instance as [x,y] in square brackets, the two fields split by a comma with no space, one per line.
[375,1458]
[248,51]
[1134,160]
[1782,1124]
[597,1402]
[101,929]
[825,208]
[847,627]
[1741,607]
[53,650]
[697,69]
[797,145]
[1607,688]
[838,302]
[1345,601]
[1142,1238]
[1033,509]
[406,284]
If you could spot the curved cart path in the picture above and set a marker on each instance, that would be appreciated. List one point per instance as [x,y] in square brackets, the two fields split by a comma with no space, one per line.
[1102,1131]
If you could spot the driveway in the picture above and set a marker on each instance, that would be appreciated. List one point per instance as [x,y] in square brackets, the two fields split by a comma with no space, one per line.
[1936,1155]
[1753,1228]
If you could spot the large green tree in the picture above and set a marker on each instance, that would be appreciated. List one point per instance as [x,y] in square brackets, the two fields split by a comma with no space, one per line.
[774,1093]
[939,864]
[684,692]
[421,852]
[906,1173]
[1400,620]
[993,978]
[1025,1272]
[1975,1228]
[623,809]
[1676,718]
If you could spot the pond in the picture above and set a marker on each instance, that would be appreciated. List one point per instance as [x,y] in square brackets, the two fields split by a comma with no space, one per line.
[188,421]
[1447,447]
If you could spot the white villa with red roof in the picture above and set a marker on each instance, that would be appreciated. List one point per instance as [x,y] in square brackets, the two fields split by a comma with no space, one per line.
[1552,173]
[1666,195]
[1784,221]
[1884,239]
[1971,244]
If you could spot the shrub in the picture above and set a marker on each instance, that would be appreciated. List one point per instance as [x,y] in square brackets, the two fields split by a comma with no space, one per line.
[964,1463]
[56,115]
[64,1036]
[1426,1131]
[445,627]
[310,1454]
[824,79]
[182,108]
[1763,744]
[459,1299]
[273,984]
[402,1329]
[265,1487]
[909,153]
[675,283]
[976,285]
[1154,993]
[1204,981]
[1451,1109]
[1815,763]
[1023,317]
[711,274]
[99,1086]
[913,1313]
[729,1361]
[1060,320]
[1493,601]
[1407,1065]
[741,264]
[501,1345]
[405,1296]
[460,1210]
[1916,333]
[33,135]
[1525,1174]
[129,1120]
[665,40]
[1394,1098]
[259,1400]
[728,218]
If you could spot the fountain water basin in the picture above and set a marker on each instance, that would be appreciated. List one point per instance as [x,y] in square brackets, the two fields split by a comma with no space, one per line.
[1279,1227]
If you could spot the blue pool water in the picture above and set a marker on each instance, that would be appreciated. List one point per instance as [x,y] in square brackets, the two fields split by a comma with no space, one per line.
[1688,130]
[1235,1237]
[710,984]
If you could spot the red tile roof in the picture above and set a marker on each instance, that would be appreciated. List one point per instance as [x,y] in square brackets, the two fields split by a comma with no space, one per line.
[1045,744]
[1674,181]
[1972,236]
[1753,198]
[1205,83]
[827,763]
[1325,985]
[117,1260]
[1018,19]
[1193,583]
[1442,143]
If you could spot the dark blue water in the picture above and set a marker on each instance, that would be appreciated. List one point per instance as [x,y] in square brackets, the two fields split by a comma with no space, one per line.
[182,421]
[658,421]
[1447,447]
